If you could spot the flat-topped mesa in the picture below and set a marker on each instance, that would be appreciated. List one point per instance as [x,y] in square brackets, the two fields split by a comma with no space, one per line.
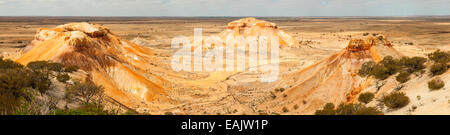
[371,47]
[93,30]
[251,27]
[356,45]
[249,22]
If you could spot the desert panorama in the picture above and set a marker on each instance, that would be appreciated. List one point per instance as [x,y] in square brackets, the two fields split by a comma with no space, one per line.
[133,65]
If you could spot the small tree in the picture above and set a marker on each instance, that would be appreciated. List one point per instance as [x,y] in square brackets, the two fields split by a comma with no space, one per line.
[436,84]
[86,90]
[395,100]
[366,97]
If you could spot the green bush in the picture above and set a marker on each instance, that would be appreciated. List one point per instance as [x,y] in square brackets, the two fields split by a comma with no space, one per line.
[328,109]
[436,84]
[9,64]
[348,109]
[325,112]
[438,68]
[413,64]
[329,106]
[380,72]
[88,91]
[392,65]
[368,111]
[71,69]
[63,77]
[366,97]
[84,110]
[395,100]
[403,77]
[357,109]
[366,68]
[440,56]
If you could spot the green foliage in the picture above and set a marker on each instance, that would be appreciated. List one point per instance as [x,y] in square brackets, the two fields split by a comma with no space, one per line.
[403,77]
[380,72]
[436,84]
[9,64]
[9,103]
[86,90]
[71,69]
[438,68]
[349,109]
[357,109]
[413,64]
[366,97]
[63,77]
[328,109]
[392,65]
[366,68]
[395,100]
[325,112]
[329,106]
[440,56]
[84,110]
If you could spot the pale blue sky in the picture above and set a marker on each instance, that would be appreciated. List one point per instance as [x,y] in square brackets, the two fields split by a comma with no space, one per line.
[223,7]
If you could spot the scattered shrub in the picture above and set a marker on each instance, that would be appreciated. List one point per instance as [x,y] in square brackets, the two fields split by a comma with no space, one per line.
[440,56]
[71,69]
[366,68]
[403,77]
[9,64]
[366,97]
[392,65]
[350,109]
[395,100]
[84,110]
[436,84]
[413,64]
[380,72]
[170,113]
[285,109]
[63,77]
[325,112]
[438,68]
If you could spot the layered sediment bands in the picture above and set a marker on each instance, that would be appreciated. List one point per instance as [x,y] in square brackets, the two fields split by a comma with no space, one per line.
[117,64]
[331,80]
[248,27]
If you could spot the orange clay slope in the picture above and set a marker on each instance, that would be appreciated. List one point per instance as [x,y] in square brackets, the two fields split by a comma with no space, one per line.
[116,64]
[332,80]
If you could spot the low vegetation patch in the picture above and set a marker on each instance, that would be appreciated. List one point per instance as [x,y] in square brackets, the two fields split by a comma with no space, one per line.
[395,100]
[390,66]
[348,109]
[436,84]
[366,97]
